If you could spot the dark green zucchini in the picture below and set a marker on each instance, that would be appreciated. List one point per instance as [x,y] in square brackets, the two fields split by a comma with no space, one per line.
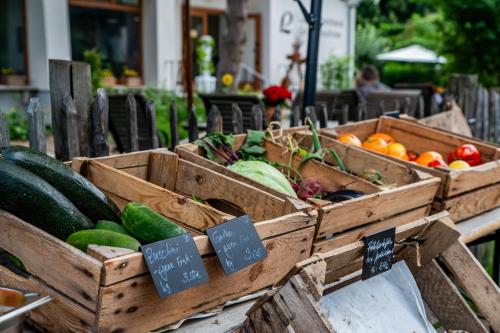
[35,201]
[81,192]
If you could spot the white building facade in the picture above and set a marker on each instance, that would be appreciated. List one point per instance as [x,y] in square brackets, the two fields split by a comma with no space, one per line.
[146,36]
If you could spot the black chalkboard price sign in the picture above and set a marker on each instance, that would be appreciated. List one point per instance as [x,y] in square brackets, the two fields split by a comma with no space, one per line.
[237,244]
[378,253]
[175,264]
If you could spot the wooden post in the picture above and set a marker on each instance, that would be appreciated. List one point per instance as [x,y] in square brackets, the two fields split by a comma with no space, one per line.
[72,79]
[69,122]
[256,117]
[81,91]
[323,116]
[151,116]
[174,133]
[4,131]
[345,114]
[295,116]
[311,113]
[100,111]
[495,115]
[237,119]
[463,88]
[131,108]
[36,126]
[193,124]
[214,121]
[60,86]
[485,109]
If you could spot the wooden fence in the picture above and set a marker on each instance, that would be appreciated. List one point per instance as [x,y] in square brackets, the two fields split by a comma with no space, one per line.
[481,106]
[80,120]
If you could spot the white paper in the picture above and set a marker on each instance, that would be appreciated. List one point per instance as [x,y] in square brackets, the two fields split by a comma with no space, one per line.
[389,302]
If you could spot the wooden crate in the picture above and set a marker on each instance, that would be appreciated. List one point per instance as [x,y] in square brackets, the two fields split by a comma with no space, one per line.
[112,291]
[342,223]
[294,304]
[464,193]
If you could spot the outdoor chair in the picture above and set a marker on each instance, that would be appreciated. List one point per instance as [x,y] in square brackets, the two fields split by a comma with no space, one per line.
[224,104]
[405,101]
[119,123]
[335,101]
[427,91]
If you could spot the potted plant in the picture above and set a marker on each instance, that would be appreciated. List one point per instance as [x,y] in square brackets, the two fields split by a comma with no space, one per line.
[274,96]
[9,77]
[130,77]
[108,79]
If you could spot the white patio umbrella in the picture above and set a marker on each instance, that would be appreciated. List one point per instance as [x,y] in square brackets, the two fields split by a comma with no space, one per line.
[412,53]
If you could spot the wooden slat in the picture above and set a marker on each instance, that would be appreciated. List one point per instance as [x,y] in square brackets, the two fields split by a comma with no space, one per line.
[122,161]
[301,309]
[207,184]
[356,212]
[81,91]
[445,300]
[359,160]
[357,234]
[133,305]
[346,254]
[479,226]
[128,266]
[99,129]
[471,276]
[62,266]
[472,203]
[165,202]
[61,314]
[4,131]
[163,169]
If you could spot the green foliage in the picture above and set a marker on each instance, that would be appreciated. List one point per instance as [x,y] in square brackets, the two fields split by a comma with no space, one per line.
[471,38]
[162,100]
[94,58]
[421,30]
[369,43]
[397,72]
[392,11]
[335,73]
[18,125]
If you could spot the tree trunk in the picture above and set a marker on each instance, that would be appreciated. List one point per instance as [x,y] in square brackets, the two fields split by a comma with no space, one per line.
[232,44]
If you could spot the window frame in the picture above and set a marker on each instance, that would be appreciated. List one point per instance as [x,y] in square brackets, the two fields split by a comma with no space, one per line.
[94,4]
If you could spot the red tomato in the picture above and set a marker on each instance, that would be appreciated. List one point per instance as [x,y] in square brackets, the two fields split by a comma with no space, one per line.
[412,156]
[467,153]
[437,163]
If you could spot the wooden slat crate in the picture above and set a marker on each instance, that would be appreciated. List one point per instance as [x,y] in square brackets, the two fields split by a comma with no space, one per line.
[345,222]
[294,304]
[109,290]
[464,193]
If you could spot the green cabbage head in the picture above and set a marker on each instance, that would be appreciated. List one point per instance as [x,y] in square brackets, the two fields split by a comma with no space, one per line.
[264,174]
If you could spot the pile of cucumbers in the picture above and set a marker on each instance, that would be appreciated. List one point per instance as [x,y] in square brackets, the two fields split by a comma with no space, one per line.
[51,196]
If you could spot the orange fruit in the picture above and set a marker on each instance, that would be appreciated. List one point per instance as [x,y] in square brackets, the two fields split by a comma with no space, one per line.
[459,165]
[349,139]
[397,150]
[376,144]
[384,136]
[427,157]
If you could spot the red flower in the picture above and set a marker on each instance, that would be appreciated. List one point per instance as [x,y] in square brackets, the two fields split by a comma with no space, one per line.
[276,95]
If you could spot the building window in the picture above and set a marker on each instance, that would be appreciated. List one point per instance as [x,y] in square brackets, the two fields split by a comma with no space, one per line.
[13,40]
[112,27]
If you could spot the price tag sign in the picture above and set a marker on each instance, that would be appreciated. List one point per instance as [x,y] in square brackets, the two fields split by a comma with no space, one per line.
[378,253]
[175,264]
[237,244]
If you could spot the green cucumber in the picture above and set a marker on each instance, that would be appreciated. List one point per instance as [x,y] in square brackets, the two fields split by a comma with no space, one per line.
[111,226]
[82,239]
[35,201]
[147,225]
[84,195]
